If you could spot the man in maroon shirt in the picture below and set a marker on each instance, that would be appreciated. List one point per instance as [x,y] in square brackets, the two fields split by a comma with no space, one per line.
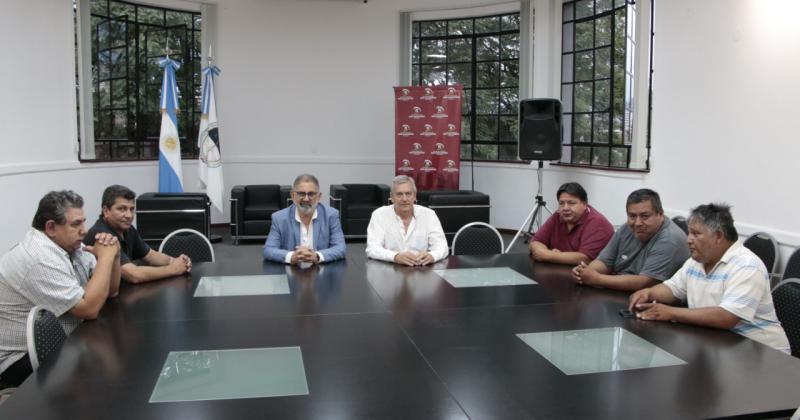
[577,232]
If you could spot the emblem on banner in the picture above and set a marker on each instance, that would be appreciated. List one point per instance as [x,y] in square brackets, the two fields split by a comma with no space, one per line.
[451,131]
[405,95]
[405,131]
[417,114]
[452,93]
[209,149]
[439,149]
[428,131]
[427,166]
[428,96]
[451,166]
[416,149]
[439,112]
[406,166]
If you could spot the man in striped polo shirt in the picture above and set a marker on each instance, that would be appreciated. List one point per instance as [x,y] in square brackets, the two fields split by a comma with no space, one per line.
[51,268]
[725,284]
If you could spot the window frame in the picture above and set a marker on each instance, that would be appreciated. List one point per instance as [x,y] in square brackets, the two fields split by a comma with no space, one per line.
[641,35]
[138,119]
[524,60]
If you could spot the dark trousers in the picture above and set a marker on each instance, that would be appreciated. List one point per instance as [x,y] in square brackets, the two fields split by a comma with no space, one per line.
[16,373]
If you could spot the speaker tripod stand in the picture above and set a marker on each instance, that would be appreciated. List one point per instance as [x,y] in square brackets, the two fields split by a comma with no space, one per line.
[535,215]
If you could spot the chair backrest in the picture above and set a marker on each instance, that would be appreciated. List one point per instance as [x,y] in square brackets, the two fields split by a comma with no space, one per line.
[267,193]
[189,242]
[366,194]
[680,221]
[477,238]
[786,297]
[792,269]
[765,246]
[44,335]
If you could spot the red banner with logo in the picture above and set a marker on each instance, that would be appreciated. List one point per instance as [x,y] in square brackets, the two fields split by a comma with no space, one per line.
[428,135]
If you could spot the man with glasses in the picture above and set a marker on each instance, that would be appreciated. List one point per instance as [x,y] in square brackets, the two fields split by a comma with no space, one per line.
[647,250]
[306,232]
[404,232]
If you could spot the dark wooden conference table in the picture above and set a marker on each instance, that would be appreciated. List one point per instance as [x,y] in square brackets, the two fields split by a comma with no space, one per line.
[381,341]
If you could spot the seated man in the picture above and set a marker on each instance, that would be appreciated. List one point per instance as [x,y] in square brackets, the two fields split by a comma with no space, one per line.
[52,269]
[725,285]
[117,219]
[576,233]
[404,232]
[648,249]
[306,232]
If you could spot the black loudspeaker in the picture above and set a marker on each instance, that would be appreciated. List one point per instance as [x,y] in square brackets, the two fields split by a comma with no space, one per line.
[540,129]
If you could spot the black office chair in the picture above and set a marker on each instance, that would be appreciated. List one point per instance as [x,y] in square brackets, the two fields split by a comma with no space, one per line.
[189,242]
[681,222]
[765,246]
[786,297]
[792,270]
[44,335]
[477,238]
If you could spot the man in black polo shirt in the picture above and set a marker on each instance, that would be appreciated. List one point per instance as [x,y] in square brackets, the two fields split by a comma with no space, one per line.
[117,218]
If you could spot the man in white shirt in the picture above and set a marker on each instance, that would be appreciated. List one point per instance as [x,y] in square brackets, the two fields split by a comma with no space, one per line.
[404,232]
[724,284]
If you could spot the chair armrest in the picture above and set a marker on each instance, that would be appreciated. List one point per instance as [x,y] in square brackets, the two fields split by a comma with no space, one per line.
[238,201]
[338,197]
[385,192]
[285,196]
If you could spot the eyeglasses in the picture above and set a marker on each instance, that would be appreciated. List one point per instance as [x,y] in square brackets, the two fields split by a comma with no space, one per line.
[303,194]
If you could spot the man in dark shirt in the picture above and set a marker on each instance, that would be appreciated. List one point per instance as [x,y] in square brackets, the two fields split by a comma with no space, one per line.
[117,218]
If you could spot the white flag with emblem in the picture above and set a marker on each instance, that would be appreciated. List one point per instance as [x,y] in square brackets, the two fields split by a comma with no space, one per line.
[210,165]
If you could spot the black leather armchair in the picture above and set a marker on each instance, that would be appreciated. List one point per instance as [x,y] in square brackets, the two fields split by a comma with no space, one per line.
[158,214]
[355,203]
[456,208]
[252,207]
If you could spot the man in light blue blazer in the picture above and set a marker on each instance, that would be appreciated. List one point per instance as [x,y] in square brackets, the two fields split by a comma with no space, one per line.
[306,232]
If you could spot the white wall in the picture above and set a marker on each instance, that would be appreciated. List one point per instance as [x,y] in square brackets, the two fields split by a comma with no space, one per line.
[306,86]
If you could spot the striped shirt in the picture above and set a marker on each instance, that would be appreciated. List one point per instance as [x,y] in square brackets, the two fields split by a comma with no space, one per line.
[738,283]
[34,272]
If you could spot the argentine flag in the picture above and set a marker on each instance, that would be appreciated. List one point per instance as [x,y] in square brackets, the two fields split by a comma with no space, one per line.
[169,144]
[210,166]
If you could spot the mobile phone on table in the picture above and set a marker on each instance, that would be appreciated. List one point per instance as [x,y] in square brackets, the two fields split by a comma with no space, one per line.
[627,313]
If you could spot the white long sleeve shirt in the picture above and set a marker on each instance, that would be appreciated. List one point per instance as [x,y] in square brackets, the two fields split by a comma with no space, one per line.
[387,236]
